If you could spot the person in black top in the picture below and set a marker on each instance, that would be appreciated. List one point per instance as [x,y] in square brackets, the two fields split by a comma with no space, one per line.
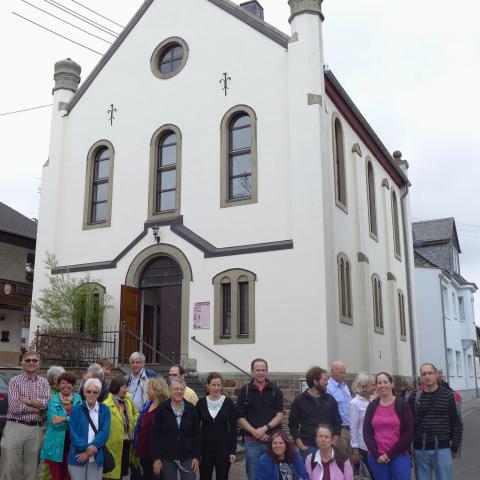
[218,420]
[176,437]
[314,407]
[438,428]
[260,413]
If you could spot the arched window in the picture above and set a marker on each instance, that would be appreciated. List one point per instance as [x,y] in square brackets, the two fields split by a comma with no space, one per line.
[396,226]
[98,190]
[402,315]
[377,303]
[339,166]
[345,288]
[165,169]
[239,157]
[89,304]
[234,306]
[372,207]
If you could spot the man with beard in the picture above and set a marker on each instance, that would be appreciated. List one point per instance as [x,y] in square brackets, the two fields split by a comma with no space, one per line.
[313,407]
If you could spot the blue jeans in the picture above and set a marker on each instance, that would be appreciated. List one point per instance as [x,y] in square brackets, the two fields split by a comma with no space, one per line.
[397,469]
[253,451]
[426,462]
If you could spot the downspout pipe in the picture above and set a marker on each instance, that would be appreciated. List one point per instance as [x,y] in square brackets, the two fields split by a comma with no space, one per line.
[441,277]
[406,226]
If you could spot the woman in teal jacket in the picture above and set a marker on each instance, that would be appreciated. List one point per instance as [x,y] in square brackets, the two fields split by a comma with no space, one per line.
[56,443]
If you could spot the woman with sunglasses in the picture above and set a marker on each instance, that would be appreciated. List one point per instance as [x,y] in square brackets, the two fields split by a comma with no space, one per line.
[89,430]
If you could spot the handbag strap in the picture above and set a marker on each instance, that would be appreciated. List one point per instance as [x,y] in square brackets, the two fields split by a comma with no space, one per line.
[89,418]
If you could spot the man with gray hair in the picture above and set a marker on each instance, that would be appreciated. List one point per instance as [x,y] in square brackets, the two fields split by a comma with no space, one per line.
[95,371]
[138,379]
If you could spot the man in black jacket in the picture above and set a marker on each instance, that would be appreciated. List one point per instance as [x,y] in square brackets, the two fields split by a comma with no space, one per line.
[438,429]
[313,407]
[260,413]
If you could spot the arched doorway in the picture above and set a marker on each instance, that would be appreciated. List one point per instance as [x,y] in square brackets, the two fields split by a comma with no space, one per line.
[155,304]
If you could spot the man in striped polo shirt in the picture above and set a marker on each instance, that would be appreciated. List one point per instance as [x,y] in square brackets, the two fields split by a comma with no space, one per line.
[28,396]
[438,429]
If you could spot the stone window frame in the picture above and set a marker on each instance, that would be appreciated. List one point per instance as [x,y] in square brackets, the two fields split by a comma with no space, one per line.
[87,204]
[234,277]
[339,165]
[397,248]
[152,184]
[160,49]
[371,200]
[402,316]
[344,269]
[377,303]
[225,201]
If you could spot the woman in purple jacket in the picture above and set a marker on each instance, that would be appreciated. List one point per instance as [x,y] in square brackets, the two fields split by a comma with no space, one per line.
[388,432]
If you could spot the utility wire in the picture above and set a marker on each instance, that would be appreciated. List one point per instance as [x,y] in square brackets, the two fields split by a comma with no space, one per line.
[83,18]
[58,34]
[99,14]
[25,110]
[65,21]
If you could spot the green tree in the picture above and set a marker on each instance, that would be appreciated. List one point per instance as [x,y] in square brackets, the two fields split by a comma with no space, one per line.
[70,302]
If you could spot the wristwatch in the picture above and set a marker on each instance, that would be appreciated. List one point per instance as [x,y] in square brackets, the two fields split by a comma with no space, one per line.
[269,427]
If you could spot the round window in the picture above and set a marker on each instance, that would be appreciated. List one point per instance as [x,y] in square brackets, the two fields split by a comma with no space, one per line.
[169,58]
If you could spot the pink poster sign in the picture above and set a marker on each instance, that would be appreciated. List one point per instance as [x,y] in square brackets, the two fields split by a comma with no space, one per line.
[201,315]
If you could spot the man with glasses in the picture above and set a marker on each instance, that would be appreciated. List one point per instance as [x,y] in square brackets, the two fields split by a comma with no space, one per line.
[138,379]
[177,372]
[28,396]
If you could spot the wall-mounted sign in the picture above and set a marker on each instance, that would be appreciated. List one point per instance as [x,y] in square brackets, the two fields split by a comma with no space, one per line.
[7,289]
[201,315]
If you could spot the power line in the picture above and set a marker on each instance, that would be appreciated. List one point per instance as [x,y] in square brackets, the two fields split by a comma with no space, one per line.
[25,109]
[83,18]
[96,13]
[58,34]
[65,21]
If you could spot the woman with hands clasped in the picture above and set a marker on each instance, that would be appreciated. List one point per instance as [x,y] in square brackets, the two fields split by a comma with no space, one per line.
[218,420]
[87,444]
[388,432]
[176,436]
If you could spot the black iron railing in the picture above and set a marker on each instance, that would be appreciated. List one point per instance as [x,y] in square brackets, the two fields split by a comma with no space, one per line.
[224,360]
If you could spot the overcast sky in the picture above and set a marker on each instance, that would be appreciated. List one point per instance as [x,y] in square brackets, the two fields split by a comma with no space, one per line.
[411,67]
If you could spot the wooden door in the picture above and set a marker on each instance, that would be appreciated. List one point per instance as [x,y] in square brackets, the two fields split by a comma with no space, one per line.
[148,332]
[169,321]
[130,319]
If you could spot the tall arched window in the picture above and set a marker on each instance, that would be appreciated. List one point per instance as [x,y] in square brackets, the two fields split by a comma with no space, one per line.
[402,315]
[99,183]
[339,166]
[372,206]
[234,309]
[377,303]
[165,170]
[396,226]
[239,157]
[345,288]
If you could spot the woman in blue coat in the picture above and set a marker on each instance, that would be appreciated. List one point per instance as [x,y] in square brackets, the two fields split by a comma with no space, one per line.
[86,457]
[281,461]
[56,443]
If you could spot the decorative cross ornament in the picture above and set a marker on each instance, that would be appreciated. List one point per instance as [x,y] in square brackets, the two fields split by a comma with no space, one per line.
[111,113]
[225,81]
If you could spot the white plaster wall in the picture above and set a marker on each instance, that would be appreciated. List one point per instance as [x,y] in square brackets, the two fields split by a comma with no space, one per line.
[13,325]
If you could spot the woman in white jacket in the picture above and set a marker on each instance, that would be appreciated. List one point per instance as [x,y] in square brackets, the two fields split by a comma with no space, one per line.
[364,387]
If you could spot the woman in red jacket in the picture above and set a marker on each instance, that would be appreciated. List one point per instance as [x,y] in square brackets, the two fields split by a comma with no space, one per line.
[388,432]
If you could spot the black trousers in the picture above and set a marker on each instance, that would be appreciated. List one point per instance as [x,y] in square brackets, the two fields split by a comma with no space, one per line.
[218,460]
[147,467]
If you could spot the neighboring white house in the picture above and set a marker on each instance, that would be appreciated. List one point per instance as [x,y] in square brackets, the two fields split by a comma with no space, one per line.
[445,304]
[17,255]
[281,221]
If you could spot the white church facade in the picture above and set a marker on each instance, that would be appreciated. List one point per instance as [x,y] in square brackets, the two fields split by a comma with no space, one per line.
[233,193]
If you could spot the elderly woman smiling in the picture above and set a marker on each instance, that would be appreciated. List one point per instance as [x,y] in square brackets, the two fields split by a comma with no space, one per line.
[89,430]
[176,436]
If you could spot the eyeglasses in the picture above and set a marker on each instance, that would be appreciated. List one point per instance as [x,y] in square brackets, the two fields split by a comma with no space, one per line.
[173,375]
[31,360]
[91,392]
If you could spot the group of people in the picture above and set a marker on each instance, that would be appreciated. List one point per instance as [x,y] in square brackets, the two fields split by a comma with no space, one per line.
[144,427]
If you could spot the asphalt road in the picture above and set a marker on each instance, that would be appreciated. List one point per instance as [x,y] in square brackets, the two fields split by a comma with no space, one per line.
[468,466]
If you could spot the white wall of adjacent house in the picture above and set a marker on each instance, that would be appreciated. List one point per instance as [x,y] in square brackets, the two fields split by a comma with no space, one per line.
[446,338]
[297,308]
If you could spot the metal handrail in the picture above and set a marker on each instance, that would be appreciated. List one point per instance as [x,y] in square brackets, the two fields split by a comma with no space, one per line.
[224,360]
